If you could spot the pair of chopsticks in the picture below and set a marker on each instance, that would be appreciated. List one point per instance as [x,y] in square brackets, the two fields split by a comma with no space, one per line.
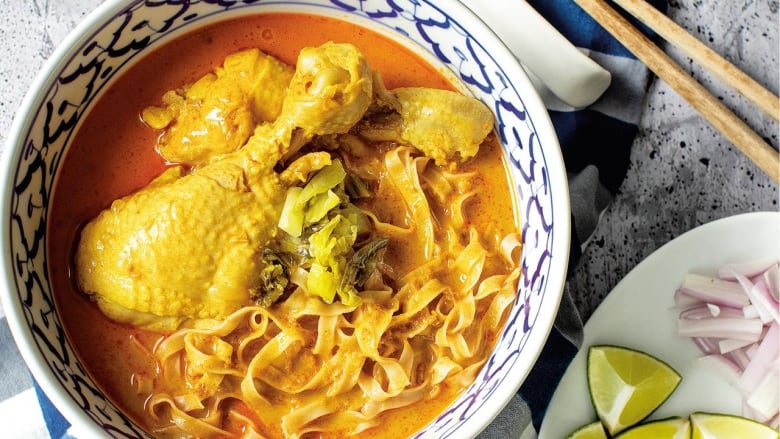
[712,109]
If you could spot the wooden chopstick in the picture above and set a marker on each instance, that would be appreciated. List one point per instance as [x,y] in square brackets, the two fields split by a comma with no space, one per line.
[700,53]
[712,109]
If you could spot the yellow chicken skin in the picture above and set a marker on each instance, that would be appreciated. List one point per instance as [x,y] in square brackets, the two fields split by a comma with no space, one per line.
[189,246]
[218,113]
[444,125]
[455,133]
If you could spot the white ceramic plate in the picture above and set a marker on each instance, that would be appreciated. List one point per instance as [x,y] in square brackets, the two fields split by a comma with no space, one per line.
[638,314]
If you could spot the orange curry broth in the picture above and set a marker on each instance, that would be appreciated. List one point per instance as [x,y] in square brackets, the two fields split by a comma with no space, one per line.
[114,154]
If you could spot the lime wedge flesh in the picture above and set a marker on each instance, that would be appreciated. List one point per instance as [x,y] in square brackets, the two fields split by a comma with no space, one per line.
[723,426]
[594,430]
[627,385]
[669,428]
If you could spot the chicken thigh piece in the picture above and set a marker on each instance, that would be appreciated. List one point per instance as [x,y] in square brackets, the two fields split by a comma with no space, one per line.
[190,246]
[217,113]
[444,125]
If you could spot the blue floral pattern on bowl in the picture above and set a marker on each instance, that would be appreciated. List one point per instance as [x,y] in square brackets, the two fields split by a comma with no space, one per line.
[85,69]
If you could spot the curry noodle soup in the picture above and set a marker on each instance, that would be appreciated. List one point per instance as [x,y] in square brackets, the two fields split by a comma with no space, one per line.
[233,257]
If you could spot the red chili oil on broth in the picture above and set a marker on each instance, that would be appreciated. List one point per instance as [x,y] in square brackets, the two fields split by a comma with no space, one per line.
[113,155]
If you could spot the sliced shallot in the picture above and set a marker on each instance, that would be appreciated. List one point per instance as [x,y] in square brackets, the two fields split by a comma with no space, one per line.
[734,320]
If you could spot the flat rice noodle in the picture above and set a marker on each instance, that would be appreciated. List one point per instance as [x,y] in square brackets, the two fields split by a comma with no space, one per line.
[339,373]
[406,359]
[169,351]
[251,395]
[443,368]
[371,409]
[272,350]
[490,286]
[199,427]
[143,384]
[293,423]
[248,344]
[468,375]
[300,304]
[205,351]
[423,273]
[291,381]
[249,428]
[326,335]
[457,344]
[450,190]
[440,185]
[469,264]
[388,230]
[461,316]
[371,321]
[409,325]
[347,365]
[363,422]
[414,300]
[456,207]
[170,346]
[457,376]
[188,402]
[403,171]
[511,248]
[208,359]
[501,301]
[387,379]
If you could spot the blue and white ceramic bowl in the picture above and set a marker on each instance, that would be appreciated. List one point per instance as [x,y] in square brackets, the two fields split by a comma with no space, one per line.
[118,33]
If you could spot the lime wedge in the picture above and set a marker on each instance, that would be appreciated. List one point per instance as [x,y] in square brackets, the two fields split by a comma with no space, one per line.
[594,430]
[669,428]
[627,385]
[723,426]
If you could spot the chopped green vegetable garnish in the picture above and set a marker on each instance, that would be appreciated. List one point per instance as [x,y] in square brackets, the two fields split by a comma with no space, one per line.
[274,278]
[328,178]
[356,188]
[362,264]
[322,227]
[305,206]
[322,281]
[320,205]
[291,220]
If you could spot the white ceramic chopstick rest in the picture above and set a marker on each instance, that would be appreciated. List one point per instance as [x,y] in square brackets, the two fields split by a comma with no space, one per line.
[567,72]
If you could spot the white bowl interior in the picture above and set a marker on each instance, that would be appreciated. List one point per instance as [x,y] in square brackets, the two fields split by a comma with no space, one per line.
[117,34]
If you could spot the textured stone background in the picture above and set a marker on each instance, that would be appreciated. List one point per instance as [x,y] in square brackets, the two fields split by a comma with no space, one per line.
[684,173]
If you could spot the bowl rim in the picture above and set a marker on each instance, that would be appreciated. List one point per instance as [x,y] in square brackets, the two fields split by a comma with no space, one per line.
[84,29]
[12,150]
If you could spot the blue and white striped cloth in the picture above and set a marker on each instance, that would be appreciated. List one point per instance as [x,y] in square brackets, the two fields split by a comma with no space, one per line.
[596,143]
